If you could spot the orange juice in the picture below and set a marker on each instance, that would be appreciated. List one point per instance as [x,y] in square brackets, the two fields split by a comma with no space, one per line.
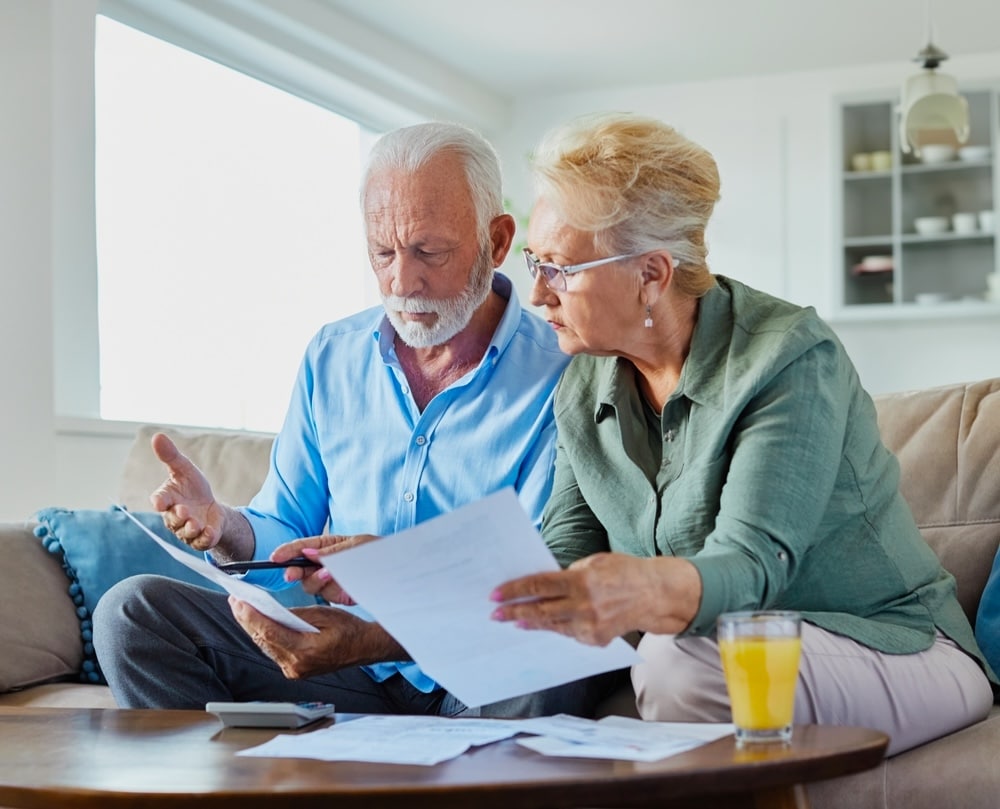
[760,676]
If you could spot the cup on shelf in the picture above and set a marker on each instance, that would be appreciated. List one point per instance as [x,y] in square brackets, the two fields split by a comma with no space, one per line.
[986,221]
[861,161]
[881,161]
[964,223]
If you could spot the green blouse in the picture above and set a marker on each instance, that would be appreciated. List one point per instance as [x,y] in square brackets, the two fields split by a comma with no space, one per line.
[766,470]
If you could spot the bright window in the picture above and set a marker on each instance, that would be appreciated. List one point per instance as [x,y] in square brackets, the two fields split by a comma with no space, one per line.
[228,232]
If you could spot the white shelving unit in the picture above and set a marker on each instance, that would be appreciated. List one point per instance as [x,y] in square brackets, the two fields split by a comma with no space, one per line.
[876,211]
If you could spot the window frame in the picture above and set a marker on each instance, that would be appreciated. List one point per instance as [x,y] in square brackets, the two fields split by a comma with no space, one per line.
[298,46]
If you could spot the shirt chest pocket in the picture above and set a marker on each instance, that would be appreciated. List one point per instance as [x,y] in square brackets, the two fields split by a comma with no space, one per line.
[690,505]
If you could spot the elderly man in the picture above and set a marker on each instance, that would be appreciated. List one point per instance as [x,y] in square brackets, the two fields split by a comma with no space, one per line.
[398,414]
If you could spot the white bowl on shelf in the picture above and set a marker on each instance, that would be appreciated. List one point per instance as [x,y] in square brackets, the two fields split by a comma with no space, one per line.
[931,225]
[971,154]
[937,153]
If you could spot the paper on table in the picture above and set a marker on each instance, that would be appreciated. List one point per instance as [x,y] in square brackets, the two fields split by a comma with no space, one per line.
[432,739]
[618,737]
[429,587]
[255,596]
[389,740]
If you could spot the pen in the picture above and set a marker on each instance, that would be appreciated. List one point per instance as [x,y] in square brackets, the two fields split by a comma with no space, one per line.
[265,564]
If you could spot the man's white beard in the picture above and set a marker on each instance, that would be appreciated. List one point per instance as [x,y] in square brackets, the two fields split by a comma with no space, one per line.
[453,314]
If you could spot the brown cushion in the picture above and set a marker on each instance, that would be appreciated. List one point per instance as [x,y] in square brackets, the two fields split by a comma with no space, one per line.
[947,440]
[235,463]
[966,551]
[39,634]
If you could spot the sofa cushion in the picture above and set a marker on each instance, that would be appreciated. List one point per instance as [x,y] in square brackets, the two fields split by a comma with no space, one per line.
[39,633]
[100,548]
[946,442]
[60,695]
[235,463]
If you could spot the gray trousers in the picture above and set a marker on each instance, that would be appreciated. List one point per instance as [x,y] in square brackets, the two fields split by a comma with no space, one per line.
[162,643]
[913,698]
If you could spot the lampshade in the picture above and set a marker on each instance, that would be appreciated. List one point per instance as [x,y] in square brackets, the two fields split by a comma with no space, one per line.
[931,109]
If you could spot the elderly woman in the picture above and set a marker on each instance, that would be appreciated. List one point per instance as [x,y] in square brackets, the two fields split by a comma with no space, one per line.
[717,452]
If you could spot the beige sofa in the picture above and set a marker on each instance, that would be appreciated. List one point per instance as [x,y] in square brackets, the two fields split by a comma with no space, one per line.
[948,443]
[40,636]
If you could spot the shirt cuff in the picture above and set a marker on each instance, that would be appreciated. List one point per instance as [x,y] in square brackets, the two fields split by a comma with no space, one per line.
[726,584]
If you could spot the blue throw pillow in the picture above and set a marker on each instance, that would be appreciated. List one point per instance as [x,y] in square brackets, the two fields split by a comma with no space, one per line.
[100,548]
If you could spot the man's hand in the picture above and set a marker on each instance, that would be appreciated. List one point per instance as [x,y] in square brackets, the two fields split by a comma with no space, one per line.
[185,499]
[343,640]
[318,581]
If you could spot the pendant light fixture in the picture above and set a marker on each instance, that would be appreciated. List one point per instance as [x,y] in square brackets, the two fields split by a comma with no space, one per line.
[931,110]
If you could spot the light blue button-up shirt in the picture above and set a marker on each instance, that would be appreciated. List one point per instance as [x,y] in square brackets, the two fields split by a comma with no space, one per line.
[356,455]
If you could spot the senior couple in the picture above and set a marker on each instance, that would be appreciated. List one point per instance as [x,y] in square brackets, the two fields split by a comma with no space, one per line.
[688,445]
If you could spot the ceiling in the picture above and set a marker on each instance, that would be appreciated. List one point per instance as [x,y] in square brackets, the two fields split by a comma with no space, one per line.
[516,47]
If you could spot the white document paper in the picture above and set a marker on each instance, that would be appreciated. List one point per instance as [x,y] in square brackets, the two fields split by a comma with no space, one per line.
[617,737]
[429,587]
[389,740]
[430,740]
[259,598]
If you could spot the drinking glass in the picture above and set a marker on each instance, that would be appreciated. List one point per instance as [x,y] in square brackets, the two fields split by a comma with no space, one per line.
[760,659]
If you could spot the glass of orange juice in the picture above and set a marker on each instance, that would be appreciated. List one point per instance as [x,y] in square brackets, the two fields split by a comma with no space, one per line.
[760,660]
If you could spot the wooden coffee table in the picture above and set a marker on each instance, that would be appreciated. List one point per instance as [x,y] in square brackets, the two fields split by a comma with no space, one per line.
[115,758]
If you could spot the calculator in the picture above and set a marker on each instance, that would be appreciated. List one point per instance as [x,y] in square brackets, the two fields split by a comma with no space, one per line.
[263,714]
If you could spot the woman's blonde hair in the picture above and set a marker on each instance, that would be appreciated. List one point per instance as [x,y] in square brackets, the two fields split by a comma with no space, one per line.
[636,184]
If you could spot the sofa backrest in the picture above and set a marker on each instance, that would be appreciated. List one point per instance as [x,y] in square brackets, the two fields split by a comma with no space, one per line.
[235,463]
[947,440]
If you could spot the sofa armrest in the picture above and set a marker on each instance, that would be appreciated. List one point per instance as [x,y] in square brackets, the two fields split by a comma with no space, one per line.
[40,632]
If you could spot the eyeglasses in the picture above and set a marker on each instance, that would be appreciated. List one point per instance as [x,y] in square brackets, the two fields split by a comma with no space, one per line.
[555,274]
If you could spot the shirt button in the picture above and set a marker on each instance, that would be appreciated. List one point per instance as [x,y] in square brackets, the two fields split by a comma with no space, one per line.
[782,555]
[406,390]
[421,440]
[408,497]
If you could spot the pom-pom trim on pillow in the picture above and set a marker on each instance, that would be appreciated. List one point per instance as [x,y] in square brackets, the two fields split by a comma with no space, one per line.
[98,549]
[90,669]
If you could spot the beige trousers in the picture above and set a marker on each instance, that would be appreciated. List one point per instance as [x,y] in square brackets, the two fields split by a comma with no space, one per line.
[913,698]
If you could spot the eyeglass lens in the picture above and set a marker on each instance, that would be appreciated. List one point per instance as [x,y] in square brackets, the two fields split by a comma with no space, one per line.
[552,275]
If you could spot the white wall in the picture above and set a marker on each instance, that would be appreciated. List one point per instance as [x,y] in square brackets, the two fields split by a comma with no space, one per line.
[46,60]
[774,229]
[773,138]
[27,442]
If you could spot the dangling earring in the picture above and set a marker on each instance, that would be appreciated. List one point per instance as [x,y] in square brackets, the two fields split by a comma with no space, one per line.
[648,323]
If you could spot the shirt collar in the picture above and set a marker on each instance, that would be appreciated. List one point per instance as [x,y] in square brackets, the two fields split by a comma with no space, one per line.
[699,379]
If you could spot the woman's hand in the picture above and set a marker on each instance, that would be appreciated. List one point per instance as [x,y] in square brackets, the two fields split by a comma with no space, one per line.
[317,580]
[604,596]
